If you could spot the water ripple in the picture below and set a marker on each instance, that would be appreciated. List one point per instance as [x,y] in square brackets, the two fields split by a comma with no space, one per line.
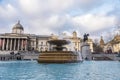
[88,70]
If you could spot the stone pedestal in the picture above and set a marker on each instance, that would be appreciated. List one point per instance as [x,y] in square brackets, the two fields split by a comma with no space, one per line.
[85,50]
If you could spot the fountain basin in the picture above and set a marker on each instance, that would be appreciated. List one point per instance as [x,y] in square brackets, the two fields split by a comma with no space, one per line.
[59,57]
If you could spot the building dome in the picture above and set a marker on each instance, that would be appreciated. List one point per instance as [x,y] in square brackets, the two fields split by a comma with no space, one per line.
[74,34]
[17,28]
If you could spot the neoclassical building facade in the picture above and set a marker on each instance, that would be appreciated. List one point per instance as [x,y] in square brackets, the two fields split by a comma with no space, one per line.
[113,45]
[17,40]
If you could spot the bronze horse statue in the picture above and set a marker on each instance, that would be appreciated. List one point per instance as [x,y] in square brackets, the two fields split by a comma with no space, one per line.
[85,37]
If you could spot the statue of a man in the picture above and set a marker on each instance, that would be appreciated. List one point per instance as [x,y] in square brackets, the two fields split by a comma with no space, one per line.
[85,37]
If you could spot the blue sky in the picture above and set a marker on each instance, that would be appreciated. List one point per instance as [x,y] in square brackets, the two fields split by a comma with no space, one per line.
[96,17]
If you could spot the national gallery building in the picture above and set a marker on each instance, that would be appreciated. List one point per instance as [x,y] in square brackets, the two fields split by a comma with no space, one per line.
[17,40]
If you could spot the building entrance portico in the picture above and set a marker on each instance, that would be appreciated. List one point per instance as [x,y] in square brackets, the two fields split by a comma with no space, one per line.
[13,44]
[15,41]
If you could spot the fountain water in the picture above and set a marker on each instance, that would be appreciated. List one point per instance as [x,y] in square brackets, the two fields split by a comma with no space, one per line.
[57,55]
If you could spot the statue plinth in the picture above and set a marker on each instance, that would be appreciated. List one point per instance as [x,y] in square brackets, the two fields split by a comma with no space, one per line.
[85,50]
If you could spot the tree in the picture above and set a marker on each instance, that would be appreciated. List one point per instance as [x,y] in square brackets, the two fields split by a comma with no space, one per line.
[96,47]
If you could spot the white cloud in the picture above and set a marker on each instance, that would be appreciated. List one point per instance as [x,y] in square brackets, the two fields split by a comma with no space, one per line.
[92,22]
[59,5]
[7,12]
[52,24]
[86,2]
[52,16]
[30,6]
[39,7]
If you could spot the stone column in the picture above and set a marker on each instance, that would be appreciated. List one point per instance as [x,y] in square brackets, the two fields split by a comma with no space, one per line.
[11,44]
[18,44]
[3,45]
[0,43]
[14,44]
[25,44]
[7,44]
[22,45]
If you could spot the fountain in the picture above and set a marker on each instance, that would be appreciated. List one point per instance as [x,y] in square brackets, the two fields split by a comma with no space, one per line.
[58,55]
